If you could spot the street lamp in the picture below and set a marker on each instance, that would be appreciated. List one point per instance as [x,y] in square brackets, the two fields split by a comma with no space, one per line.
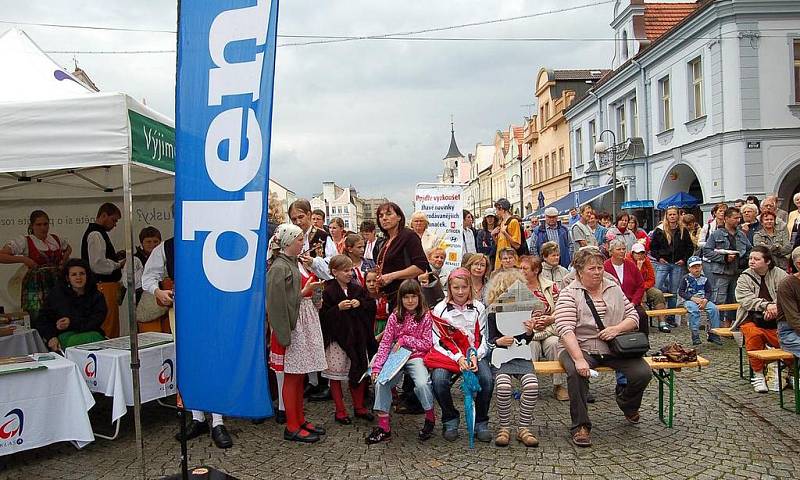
[615,149]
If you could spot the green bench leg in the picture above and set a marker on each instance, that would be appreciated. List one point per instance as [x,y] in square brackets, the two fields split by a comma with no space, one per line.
[741,362]
[667,379]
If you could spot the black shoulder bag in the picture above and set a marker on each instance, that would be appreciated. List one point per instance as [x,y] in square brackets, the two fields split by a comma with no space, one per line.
[624,345]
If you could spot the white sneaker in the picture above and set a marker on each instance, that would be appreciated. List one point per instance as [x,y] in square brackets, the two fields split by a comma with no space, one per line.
[759,383]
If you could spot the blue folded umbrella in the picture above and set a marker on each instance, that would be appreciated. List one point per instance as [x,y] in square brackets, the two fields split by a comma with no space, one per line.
[470,386]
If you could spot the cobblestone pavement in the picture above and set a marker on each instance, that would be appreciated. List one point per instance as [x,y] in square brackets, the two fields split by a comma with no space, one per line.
[722,430]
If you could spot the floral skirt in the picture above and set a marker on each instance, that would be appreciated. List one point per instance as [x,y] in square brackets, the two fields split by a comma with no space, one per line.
[306,353]
[35,285]
[338,363]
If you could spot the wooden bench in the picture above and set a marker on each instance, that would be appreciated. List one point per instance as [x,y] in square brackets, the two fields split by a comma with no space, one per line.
[778,355]
[663,312]
[663,371]
[725,332]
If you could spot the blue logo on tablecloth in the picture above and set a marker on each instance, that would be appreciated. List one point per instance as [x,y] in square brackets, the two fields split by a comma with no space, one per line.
[11,428]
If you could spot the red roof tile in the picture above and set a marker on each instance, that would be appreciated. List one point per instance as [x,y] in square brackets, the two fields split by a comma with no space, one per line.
[661,17]
[519,132]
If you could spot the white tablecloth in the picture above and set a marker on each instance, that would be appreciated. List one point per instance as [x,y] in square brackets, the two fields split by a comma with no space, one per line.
[108,371]
[40,407]
[23,341]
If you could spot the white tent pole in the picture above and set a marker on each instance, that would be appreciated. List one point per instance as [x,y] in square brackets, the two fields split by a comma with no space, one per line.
[127,201]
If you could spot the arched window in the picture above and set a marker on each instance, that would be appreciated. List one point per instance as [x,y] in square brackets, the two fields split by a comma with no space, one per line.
[624,45]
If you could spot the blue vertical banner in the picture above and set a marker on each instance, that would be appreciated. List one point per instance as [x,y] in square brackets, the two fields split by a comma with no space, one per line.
[224,94]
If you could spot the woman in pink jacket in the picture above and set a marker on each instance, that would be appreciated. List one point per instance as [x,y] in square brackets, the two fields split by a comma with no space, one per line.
[584,347]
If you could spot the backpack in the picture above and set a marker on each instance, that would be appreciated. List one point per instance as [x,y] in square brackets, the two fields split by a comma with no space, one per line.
[523,244]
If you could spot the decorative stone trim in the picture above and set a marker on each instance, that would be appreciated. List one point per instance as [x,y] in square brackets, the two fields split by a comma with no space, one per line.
[697,125]
[665,137]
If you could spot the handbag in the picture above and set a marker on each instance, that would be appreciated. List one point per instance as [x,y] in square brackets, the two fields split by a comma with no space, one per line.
[624,345]
[148,308]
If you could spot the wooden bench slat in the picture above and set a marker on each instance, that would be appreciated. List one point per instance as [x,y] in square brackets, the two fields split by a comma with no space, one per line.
[726,307]
[770,355]
[722,332]
[551,367]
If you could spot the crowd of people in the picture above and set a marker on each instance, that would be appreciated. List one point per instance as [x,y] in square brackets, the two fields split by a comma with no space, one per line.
[340,304]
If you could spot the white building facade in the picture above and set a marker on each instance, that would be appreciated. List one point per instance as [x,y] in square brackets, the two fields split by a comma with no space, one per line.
[712,103]
[336,201]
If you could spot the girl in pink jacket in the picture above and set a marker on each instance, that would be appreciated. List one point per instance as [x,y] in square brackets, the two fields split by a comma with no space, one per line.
[408,327]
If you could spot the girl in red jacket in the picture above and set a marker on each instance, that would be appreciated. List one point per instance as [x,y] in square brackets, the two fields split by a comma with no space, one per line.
[458,325]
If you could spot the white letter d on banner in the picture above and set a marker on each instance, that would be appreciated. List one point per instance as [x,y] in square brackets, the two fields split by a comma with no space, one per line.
[241,217]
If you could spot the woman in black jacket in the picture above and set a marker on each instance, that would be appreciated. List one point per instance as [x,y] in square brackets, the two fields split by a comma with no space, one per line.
[671,247]
[74,310]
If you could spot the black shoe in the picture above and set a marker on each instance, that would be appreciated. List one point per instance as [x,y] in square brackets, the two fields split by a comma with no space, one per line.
[672,323]
[311,390]
[313,429]
[343,420]
[321,395]
[280,417]
[402,408]
[366,415]
[427,431]
[590,398]
[378,435]
[258,421]
[297,437]
[220,436]
[194,430]
[664,328]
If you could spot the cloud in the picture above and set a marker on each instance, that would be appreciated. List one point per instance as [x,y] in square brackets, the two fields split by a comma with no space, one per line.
[374,114]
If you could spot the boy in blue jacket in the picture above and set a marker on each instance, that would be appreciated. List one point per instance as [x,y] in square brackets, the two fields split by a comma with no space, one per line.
[696,290]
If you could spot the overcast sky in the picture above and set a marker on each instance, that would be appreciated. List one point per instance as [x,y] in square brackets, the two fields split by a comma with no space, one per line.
[374,114]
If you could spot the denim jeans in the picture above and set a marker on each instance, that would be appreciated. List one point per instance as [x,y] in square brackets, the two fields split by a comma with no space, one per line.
[668,279]
[789,339]
[694,315]
[416,369]
[723,289]
[441,379]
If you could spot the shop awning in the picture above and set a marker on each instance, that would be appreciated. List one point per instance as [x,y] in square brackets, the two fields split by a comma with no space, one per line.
[573,199]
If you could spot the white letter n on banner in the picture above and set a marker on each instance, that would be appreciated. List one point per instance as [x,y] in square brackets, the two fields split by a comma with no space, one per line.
[241,217]
[239,77]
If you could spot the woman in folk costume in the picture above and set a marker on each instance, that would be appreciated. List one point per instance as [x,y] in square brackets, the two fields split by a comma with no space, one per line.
[44,254]
[458,326]
[296,346]
[347,314]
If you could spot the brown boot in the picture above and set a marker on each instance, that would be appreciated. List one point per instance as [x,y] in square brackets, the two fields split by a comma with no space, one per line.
[581,437]
[503,437]
[527,438]
[560,393]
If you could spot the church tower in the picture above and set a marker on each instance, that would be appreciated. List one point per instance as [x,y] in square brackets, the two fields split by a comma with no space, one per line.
[453,160]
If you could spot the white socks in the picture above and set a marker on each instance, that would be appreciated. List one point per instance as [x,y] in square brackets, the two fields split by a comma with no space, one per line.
[279,378]
[216,418]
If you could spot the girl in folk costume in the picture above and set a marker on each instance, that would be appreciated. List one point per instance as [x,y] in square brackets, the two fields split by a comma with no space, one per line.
[44,254]
[354,249]
[381,305]
[347,314]
[296,345]
[338,233]
[458,325]
[409,327]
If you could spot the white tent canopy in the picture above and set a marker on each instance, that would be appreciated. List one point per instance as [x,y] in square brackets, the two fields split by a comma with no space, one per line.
[63,143]
[51,121]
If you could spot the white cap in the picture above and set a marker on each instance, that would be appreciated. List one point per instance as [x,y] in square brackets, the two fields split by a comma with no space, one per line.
[551,212]
[490,211]
[637,248]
